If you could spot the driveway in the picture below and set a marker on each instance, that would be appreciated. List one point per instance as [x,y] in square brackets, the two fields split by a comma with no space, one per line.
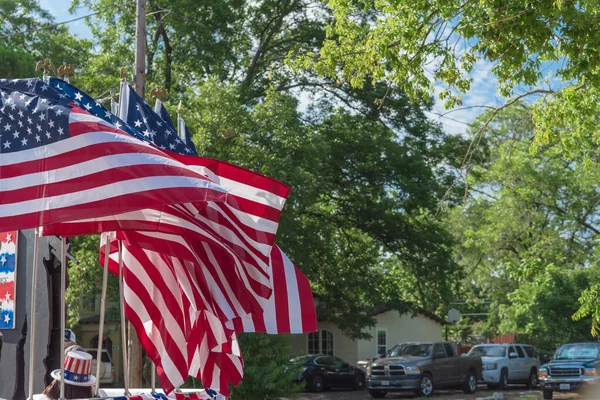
[512,394]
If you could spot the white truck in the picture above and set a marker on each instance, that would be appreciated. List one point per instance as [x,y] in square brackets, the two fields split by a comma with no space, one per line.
[505,364]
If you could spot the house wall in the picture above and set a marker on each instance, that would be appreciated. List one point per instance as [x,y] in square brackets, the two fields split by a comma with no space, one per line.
[343,347]
[400,329]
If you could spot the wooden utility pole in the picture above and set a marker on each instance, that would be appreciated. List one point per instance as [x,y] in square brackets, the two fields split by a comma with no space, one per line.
[134,345]
[140,48]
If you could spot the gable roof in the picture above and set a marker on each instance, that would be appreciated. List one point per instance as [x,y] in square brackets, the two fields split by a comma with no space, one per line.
[381,309]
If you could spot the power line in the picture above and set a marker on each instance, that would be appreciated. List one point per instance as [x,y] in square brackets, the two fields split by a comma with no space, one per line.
[55,24]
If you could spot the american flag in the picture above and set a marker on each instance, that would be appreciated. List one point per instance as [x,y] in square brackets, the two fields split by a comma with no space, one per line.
[59,163]
[256,202]
[8,270]
[159,302]
[290,309]
[138,114]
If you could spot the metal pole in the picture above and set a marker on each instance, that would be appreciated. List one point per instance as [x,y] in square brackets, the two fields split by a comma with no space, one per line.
[153,378]
[123,333]
[140,47]
[135,351]
[180,124]
[102,310]
[63,285]
[32,317]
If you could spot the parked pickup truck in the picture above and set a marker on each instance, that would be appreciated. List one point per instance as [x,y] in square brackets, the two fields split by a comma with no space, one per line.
[422,367]
[574,367]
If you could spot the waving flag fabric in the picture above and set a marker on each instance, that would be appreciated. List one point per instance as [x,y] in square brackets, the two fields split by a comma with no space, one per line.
[59,163]
[291,308]
[159,297]
[192,246]
[138,114]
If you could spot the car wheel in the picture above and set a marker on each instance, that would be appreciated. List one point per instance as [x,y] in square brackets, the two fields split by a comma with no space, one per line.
[377,394]
[470,385]
[503,384]
[426,385]
[533,379]
[547,394]
[316,384]
[359,382]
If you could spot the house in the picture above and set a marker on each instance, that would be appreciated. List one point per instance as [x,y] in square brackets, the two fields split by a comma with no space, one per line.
[390,328]
[87,333]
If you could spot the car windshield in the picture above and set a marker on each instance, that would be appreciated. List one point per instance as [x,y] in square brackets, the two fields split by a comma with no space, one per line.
[105,357]
[412,350]
[301,359]
[577,351]
[488,351]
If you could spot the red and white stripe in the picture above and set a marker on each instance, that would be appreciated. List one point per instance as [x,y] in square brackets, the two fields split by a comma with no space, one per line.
[161,301]
[244,227]
[291,308]
[77,364]
[216,366]
[95,172]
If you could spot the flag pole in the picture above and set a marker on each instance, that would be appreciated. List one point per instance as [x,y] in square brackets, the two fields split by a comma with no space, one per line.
[63,311]
[32,317]
[180,124]
[102,311]
[123,333]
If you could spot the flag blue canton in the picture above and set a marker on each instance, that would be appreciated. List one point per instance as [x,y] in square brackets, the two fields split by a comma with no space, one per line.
[164,114]
[28,121]
[141,117]
[85,101]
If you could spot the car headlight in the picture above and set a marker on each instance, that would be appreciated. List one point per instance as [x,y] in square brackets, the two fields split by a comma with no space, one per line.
[543,372]
[412,370]
[368,370]
[591,372]
[491,366]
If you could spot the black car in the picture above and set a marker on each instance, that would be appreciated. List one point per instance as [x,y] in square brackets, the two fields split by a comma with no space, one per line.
[323,371]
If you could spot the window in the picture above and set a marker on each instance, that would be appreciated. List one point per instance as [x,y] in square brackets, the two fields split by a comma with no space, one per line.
[320,342]
[327,342]
[381,343]
[530,351]
[338,362]
[511,350]
[449,350]
[313,343]
[520,351]
[438,349]
[106,344]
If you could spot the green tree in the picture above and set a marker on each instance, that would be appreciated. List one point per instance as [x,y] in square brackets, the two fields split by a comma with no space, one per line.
[269,374]
[367,176]
[527,233]
[28,33]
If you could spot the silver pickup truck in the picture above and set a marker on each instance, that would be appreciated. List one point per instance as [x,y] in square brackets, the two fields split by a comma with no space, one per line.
[574,367]
[422,367]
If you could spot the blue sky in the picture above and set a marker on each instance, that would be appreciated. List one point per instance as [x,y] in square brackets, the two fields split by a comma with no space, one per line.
[60,10]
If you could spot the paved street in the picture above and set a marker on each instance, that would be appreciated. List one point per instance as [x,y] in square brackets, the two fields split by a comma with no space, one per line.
[513,394]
